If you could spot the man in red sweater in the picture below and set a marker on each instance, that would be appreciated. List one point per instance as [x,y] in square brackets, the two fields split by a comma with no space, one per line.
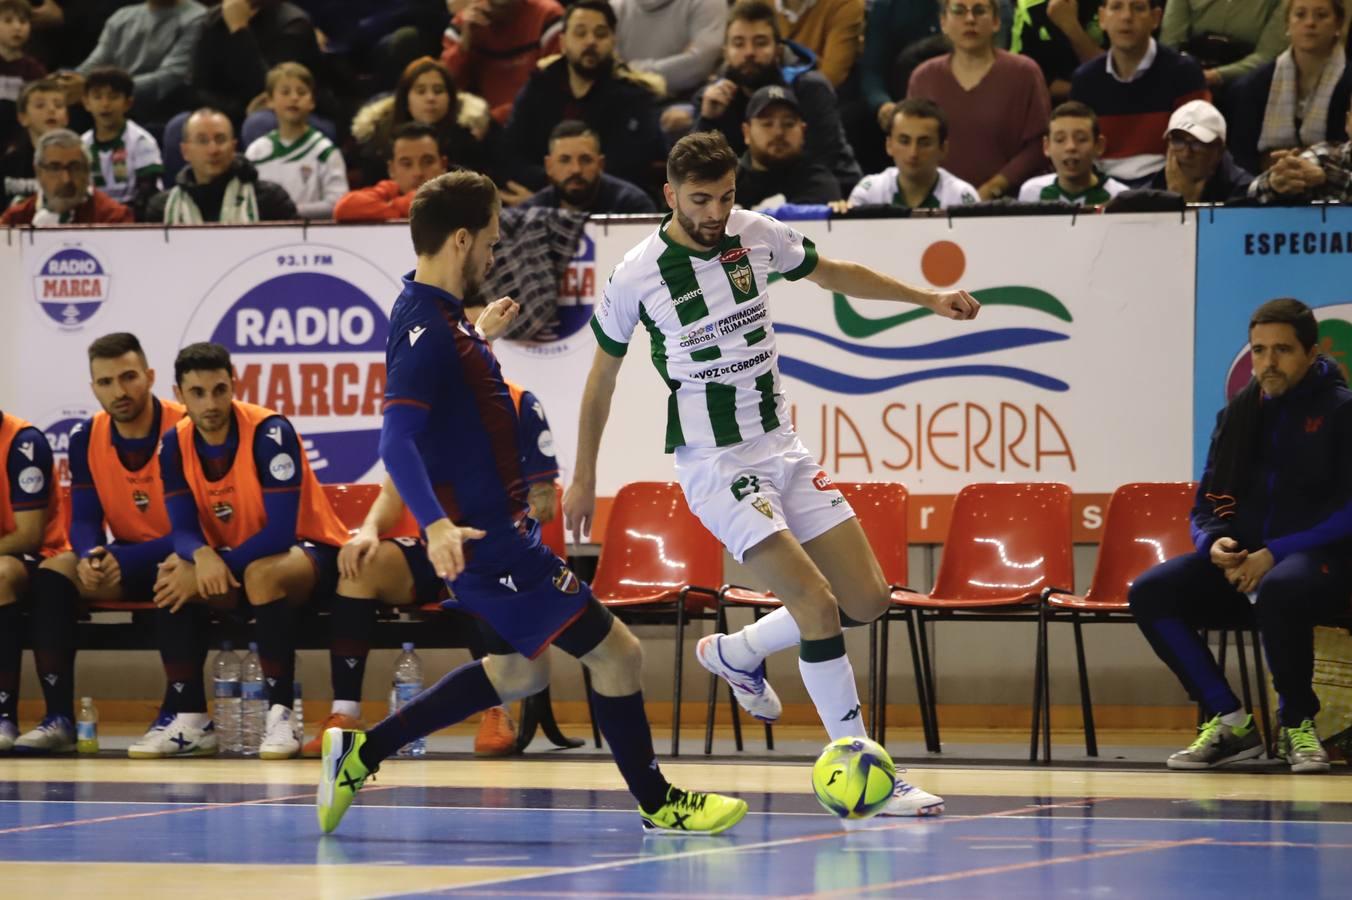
[64,195]
[414,159]
[491,46]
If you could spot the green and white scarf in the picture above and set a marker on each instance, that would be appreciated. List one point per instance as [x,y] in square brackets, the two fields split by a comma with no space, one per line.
[239,205]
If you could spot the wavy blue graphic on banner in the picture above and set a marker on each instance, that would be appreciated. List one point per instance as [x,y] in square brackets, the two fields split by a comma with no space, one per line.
[841,383]
[948,348]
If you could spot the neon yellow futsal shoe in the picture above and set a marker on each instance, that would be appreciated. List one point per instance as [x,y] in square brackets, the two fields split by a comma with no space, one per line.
[342,776]
[687,812]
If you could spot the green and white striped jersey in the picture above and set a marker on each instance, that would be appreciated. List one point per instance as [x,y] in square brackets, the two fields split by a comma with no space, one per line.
[708,318]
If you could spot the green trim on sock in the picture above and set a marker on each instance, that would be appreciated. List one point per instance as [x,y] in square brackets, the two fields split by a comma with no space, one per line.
[823,650]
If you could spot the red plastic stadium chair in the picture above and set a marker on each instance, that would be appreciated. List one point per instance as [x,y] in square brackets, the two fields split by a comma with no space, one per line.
[351,502]
[658,565]
[881,510]
[1007,544]
[1146,524]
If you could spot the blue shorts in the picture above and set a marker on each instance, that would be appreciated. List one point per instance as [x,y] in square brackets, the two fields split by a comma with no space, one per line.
[138,582]
[325,560]
[522,590]
[427,587]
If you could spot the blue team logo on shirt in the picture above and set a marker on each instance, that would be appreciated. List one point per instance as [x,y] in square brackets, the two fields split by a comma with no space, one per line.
[58,425]
[308,340]
[71,285]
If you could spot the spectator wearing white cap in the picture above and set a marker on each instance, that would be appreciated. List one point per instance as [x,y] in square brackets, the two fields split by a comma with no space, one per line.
[1323,172]
[1197,164]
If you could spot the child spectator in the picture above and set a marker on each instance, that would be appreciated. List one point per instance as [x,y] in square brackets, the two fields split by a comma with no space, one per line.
[41,107]
[295,154]
[17,68]
[126,158]
[1074,144]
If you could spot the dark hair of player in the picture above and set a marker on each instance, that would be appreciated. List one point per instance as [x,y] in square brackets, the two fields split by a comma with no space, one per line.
[119,343]
[703,157]
[202,357]
[448,203]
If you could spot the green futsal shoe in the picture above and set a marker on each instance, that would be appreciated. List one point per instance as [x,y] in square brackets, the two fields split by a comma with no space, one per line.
[343,775]
[686,812]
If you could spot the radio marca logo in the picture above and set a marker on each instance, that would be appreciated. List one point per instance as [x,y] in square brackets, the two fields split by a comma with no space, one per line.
[58,425]
[307,337]
[71,284]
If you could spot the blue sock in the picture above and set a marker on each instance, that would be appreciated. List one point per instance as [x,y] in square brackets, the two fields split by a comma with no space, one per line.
[624,723]
[456,697]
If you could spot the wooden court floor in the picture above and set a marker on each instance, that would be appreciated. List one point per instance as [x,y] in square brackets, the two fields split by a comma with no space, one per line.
[542,826]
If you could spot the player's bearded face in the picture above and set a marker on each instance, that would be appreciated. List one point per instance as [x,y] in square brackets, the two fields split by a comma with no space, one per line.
[207,396]
[702,211]
[122,386]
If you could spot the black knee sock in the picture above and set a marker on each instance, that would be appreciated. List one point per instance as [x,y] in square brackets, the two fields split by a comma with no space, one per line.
[11,648]
[274,625]
[54,609]
[456,697]
[624,723]
[182,641]
[352,622]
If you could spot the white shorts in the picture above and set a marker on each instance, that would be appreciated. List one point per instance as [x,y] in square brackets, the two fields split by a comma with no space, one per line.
[746,492]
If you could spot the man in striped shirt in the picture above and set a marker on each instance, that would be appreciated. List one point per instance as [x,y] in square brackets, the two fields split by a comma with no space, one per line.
[698,285]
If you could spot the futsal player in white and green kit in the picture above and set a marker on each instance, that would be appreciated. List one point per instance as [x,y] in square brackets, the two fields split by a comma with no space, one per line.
[698,285]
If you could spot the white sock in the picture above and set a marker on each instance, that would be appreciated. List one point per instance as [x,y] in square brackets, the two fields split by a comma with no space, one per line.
[1238,717]
[830,684]
[193,720]
[767,635]
[346,708]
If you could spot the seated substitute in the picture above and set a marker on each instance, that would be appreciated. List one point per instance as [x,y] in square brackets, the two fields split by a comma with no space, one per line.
[1074,144]
[31,532]
[252,524]
[116,490]
[1273,530]
[917,141]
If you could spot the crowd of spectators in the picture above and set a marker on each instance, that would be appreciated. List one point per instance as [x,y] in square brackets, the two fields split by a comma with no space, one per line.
[254,110]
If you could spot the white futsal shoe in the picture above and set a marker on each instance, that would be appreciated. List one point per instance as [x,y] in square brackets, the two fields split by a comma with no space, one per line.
[279,739]
[752,691]
[909,800]
[8,733]
[54,734]
[175,738]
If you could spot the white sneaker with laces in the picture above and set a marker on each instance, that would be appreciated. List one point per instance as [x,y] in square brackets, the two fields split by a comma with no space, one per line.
[279,738]
[175,738]
[54,734]
[909,800]
[8,733]
[752,691]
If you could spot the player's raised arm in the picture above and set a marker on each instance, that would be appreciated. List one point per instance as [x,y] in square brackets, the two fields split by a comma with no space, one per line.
[856,280]
[579,502]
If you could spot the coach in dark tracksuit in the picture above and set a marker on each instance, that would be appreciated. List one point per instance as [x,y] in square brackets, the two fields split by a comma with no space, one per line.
[1273,527]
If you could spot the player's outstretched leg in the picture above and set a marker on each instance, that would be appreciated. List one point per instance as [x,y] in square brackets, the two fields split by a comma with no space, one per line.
[616,664]
[350,757]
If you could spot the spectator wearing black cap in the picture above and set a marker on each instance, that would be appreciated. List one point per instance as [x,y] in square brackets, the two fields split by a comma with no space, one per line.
[773,165]
[577,176]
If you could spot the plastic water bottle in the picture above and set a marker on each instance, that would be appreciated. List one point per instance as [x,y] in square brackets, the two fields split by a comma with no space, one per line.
[225,675]
[87,727]
[297,713]
[408,683]
[254,697]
